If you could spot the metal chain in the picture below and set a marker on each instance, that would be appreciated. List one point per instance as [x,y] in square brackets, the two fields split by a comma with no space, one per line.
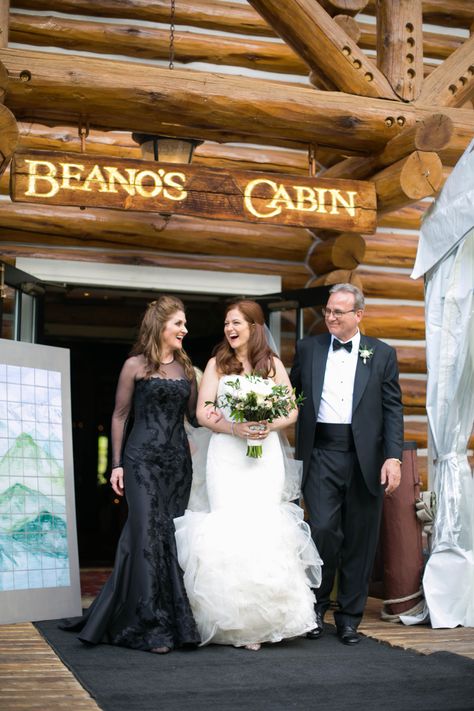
[172,18]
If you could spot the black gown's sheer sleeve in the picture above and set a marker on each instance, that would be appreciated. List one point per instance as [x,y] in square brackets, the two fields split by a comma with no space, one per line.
[192,405]
[123,404]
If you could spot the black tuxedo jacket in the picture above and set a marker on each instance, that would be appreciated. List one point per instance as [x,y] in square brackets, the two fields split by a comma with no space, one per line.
[377,412]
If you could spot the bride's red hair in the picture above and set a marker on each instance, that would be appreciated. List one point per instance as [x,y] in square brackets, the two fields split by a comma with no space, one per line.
[259,353]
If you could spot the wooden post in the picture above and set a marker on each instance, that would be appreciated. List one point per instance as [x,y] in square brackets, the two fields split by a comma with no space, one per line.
[8,137]
[323,45]
[400,45]
[4,22]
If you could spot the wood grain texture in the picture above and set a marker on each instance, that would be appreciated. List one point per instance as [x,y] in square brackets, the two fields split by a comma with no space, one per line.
[83,181]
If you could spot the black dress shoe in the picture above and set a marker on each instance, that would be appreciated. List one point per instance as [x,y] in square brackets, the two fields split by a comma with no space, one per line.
[317,632]
[348,634]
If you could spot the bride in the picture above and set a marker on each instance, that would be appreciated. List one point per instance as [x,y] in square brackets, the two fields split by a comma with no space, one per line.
[249,562]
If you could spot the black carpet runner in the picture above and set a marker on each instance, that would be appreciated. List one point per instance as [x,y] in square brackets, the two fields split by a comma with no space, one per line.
[301,674]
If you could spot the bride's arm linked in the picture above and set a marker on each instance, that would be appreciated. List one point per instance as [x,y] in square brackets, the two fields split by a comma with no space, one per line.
[281,378]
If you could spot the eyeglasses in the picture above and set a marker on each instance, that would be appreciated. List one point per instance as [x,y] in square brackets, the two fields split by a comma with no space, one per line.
[327,313]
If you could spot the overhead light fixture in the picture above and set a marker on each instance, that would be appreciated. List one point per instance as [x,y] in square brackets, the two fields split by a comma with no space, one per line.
[165,149]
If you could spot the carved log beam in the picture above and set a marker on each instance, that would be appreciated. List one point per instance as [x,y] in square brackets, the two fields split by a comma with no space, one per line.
[400,45]
[323,45]
[294,276]
[408,180]
[124,96]
[452,82]
[8,137]
[99,228]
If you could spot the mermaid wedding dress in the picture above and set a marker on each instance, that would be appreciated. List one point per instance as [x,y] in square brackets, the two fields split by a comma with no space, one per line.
[249,561]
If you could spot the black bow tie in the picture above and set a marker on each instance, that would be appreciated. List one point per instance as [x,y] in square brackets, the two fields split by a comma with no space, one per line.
[337,344]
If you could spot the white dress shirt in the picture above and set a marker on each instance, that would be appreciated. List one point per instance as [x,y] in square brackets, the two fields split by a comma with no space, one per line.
[338,386]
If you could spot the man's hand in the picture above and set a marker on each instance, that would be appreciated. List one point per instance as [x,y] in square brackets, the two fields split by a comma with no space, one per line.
[391,475]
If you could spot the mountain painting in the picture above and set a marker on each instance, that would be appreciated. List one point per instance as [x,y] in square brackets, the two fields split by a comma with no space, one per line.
[33,530]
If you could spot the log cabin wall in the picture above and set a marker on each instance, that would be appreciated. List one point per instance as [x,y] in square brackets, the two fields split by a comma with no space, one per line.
[383,90]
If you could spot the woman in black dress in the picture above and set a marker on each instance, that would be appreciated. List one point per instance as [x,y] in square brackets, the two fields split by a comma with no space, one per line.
[144,604]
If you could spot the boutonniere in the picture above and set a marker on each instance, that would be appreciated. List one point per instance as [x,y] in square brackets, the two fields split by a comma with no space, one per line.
[365,353]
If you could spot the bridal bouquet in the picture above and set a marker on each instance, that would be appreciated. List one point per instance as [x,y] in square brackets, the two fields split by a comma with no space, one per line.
[257,399]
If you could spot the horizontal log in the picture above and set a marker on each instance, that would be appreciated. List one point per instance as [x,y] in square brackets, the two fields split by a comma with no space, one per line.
[407,218]
[384,285]
[413,392]
[411,359]
[390,250]
[348,7]
[337,276]
[345,251]
[145,42]
[406,323]
[227,16]
[123,96]
[294,276]
[110,228]
[408,180]
[209,14]
[119,144]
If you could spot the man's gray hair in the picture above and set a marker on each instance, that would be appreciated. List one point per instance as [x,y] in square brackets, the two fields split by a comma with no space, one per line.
[359,301]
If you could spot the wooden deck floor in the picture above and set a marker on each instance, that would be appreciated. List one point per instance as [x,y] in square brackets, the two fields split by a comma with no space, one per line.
[33,677]
[420,638]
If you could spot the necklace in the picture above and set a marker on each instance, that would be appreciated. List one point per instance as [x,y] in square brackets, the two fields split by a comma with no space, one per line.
[169,362]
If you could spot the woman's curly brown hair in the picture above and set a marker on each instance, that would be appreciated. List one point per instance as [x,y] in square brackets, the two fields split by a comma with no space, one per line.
[148,343]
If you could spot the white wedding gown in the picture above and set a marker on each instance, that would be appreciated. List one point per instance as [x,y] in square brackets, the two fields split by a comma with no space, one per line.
[249,562]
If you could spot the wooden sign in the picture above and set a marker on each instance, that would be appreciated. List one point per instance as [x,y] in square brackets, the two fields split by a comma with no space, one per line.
[100,181]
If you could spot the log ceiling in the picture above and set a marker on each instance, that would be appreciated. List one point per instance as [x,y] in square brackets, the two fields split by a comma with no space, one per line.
[382,90]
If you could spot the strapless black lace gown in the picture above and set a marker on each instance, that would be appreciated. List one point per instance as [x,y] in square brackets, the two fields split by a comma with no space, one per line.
[144,603]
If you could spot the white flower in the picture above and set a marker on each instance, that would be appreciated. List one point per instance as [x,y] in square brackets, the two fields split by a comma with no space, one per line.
[365,353]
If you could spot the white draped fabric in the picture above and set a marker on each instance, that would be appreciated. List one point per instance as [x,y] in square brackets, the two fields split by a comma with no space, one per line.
[446,259]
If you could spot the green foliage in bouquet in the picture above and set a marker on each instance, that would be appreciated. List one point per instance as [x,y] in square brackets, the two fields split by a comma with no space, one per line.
[257,399]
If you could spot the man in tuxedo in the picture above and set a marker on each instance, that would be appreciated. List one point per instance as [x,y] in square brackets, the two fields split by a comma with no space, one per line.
[350,438]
